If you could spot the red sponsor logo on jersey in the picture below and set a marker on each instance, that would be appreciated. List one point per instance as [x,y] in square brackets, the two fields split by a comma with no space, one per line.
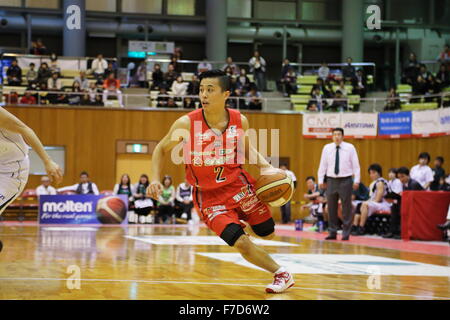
[249,203]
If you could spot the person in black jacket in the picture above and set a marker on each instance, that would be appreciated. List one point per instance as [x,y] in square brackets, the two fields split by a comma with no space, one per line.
[14,74]
[443,77]
[157,77]
[408,184]
[438,173]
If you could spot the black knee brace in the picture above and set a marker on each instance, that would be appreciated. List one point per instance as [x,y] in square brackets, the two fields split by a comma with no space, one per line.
[265,228]
[231,233]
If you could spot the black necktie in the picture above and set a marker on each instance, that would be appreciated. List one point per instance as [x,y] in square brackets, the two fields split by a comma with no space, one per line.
[336,163]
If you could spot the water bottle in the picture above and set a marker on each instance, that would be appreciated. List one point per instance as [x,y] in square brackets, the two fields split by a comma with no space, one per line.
[299,225]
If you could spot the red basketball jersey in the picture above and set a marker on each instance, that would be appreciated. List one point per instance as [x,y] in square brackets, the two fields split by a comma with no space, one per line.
[213,159]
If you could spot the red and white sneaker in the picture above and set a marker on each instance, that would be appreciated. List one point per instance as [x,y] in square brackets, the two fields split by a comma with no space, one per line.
[281,282]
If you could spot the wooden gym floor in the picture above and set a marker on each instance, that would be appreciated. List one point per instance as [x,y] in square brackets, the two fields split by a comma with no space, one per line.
[189,262]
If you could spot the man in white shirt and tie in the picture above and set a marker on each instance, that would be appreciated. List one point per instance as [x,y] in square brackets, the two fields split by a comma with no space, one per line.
[45,188]
[340,164]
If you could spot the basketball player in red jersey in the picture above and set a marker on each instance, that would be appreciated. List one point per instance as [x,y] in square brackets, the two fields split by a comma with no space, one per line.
[223,192]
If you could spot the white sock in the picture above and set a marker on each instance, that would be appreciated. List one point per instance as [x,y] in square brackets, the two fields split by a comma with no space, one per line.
[282,269]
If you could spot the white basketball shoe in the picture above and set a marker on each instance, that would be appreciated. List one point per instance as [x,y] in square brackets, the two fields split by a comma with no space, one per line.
[282,280]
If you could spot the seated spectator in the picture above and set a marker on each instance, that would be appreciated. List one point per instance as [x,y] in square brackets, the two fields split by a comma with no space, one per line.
[438,173]
[285,68]
[12,97]
[54,67]
[444,56]
[53,85]
[394,197]
[170,76]
[320,84]
[183,200]
[378,190]
[140,188]
[289,83]
[419,88]
[433,90]
[143,205]
[348,71]
[34,49]
[443,77]
[110,69]
[254,99]
[229,64]
[423,71]
[177,67]
[193,88]
[32,75]
[407,181]
[94,96]
[188,103]
[360,84]
[171,103]
[324,71]
[42,94]
[339,103]
[141,75]
[162,99]
[28,98]
[229,72]
[157,77]
[83,81]
[421,172]
[98,67]
[317,101]
[45,188]
[14,74]
[411,70]
[112,85]
[44,73]
[76,97]
[124,187]
[166,201]
[443,185]
[358,197]
[316,201]
[85,186]
[41,48]
[179,88]
[242,83]
[392,101]
[203,66]
[258,68]
[342,88]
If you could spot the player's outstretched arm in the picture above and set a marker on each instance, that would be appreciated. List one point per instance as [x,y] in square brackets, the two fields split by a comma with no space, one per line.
[13,124]
[251,154]
[180,128]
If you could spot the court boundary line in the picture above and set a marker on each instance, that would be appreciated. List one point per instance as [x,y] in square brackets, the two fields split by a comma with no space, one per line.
[224,284]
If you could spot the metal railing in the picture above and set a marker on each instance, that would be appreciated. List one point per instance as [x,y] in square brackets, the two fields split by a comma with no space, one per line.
[371,104]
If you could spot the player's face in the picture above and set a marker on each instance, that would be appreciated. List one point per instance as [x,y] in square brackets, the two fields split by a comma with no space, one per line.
[310,184]
[373,174]
[211,94]
[403,178]
[391,175]
[84,178]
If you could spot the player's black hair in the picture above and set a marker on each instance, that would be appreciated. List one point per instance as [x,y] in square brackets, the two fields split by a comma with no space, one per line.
[84,173]
[425,155]
[310,177]
[224,80]
[403,170]
[338,129]
[441,159]
[377,168]
[394,170]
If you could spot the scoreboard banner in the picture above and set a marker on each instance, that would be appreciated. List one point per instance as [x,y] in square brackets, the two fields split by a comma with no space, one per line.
[395,124]
[360,125]
[425,123]
[83,209]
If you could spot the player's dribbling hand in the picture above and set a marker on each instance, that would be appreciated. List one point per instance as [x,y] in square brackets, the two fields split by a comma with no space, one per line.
[154,189]
[54,171]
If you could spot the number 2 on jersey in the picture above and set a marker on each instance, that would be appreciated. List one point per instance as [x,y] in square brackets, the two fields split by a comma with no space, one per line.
[218,171]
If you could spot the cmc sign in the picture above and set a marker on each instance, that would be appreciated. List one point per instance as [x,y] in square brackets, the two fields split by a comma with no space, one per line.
[319,125]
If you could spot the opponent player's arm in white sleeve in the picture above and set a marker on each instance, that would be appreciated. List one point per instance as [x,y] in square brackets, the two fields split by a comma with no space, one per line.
[68,188]
[322,167]
[179,131]
[13,124]
[251,154]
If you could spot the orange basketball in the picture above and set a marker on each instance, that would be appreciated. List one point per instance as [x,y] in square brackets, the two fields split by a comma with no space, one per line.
[274,188]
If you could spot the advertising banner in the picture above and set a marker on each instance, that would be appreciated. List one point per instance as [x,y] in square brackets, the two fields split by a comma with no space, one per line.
[425,123]
[444,121]
[319,125]
[360,125]
[395,124]
[83,209]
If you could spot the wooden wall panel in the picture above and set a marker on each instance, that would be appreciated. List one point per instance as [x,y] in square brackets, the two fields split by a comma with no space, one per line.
[90,136]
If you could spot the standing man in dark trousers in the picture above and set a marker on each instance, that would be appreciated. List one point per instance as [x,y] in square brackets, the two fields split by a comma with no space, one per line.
[339,162]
